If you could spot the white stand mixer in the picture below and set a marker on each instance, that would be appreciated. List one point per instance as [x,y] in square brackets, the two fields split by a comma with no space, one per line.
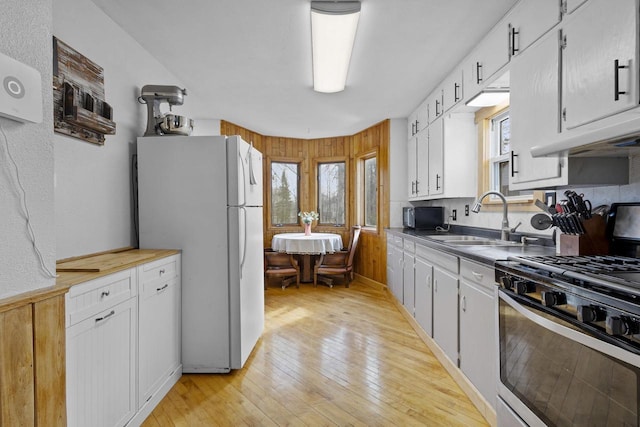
[164,124]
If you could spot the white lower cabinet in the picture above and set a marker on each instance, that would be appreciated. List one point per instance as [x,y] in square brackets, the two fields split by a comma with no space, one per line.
[408,277]
[477,328]
[101,355]
[159,331]
[452,300]
[423,276]
[445,312]
[123,344]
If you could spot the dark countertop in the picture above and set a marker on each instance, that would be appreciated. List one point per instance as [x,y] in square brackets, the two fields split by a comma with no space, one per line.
[479,253]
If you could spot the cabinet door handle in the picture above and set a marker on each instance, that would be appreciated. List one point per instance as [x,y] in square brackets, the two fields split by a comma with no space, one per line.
[428,282]
[417,124]
[616,80]
[435,286]
[417,192]
[162,288]
[456,98]
[105,294]
[105,317]
[464,303]
[437,182]
[513,167]
[161,272]
[512,40]
[413,129]
[478,276]
[437,110]
[478,70]
[413,187]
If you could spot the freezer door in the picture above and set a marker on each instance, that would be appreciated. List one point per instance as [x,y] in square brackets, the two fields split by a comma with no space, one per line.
[246,281]
[244,181]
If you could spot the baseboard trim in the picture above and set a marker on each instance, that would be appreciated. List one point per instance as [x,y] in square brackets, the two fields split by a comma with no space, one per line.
[370,282]
[483,406]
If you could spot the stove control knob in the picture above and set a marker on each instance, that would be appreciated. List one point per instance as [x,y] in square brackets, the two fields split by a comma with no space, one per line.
[620,325]
[589,313]
[524,287]
[506,282]
[551,298]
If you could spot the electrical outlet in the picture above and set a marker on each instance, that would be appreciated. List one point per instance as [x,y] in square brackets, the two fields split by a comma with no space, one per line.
[466,210]
[454,214]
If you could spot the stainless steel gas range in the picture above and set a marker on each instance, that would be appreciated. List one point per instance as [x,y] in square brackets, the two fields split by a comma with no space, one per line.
[569,341]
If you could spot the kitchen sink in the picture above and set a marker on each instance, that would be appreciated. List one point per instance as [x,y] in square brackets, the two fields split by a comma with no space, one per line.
[483,242]
[459,238]
[462,240]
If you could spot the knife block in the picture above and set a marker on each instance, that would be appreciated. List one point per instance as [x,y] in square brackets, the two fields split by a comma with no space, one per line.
[593,242]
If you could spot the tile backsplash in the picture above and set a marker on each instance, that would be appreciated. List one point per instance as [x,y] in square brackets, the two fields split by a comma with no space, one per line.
[605,195]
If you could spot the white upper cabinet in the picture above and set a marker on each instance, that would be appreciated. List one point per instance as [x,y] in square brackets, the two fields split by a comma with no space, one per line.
[452,89]
[435,101]
[489,56]
[599,61]
[570,6]
[418,166]
[530,20]
[436,158]
[534,112]
[419,119]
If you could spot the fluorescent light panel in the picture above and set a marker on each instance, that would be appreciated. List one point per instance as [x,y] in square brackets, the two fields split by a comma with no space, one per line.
[489,98]
[333,31]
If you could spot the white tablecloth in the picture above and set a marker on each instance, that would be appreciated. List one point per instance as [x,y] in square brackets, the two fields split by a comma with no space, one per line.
[298,243]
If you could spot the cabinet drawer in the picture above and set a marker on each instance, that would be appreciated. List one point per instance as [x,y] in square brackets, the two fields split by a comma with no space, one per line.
[92,297]
[441,259]
[409,246]
[165,268]
[477,274]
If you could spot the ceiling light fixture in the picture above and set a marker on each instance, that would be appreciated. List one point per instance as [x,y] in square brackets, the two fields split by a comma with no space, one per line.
[333,31]
[489,98]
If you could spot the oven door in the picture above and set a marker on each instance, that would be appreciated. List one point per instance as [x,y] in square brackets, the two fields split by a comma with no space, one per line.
[553,373]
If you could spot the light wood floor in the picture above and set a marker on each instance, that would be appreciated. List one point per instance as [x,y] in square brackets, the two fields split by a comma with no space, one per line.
[341,356]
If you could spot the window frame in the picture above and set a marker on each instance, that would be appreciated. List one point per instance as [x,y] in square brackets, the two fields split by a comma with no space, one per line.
[316,167]
[360,182]
[521,203]
[269,203]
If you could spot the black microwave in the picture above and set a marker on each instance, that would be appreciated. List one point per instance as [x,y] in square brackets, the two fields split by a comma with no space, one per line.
[423,217]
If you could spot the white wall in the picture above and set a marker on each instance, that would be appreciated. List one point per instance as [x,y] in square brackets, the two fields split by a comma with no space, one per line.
[93,208]
[397,163]
[25,29]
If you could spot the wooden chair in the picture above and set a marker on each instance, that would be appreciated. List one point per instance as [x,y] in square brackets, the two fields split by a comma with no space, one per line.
[338,263]
[280,264]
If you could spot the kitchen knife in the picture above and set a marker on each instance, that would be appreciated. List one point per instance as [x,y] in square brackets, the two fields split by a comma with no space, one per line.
[540,204]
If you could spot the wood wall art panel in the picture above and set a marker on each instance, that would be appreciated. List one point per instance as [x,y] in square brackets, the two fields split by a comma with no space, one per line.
[79,106]
[371,257]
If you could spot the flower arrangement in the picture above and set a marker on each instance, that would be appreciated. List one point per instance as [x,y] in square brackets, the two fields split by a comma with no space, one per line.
[308,217]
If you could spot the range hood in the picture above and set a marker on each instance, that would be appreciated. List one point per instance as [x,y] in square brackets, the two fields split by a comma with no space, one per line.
[616,136]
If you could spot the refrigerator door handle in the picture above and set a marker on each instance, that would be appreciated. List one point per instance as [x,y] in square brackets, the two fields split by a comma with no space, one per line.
[244,240]
[244,180]
[252,176]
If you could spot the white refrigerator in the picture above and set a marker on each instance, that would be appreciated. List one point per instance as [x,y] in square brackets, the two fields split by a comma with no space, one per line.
[203,195]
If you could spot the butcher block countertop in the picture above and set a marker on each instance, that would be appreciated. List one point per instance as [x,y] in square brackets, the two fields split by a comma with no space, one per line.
[79,270]
[86,268]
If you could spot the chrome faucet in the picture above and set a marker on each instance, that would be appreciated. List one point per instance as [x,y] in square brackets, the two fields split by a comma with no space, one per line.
[505,231]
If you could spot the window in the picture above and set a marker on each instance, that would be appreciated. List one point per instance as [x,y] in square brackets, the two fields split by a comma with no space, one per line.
[370,191]
[500,138]
[331,193]
[367,186]
[284,193]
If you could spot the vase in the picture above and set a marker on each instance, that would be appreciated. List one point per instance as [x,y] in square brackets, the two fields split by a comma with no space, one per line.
[307,229]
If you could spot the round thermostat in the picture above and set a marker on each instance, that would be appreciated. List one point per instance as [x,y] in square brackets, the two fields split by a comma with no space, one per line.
[13,87]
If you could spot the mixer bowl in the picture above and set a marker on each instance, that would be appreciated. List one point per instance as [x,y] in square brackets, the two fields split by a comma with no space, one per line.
[173,124]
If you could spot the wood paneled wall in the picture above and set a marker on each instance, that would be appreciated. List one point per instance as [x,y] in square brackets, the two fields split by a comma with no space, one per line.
[371,255]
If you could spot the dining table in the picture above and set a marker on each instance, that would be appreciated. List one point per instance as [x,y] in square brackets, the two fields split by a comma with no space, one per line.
[306,246]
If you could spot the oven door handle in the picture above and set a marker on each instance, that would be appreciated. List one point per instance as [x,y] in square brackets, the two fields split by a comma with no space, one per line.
[584,339]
